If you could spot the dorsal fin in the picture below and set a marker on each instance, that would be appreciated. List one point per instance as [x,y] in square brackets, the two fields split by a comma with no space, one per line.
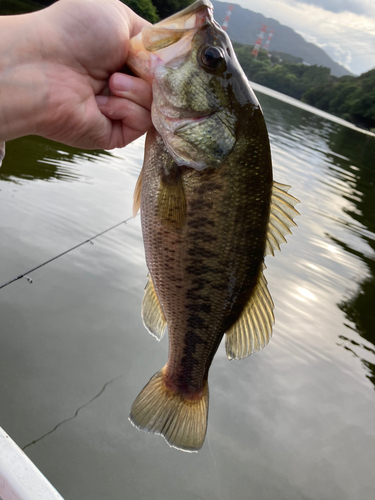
[152,312]
[281,217]
[253,329]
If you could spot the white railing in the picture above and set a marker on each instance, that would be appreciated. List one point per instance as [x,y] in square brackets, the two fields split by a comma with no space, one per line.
[20,479]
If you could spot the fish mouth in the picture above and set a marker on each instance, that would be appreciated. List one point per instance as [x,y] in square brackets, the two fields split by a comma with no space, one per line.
[192,16]
[186,122]
[158,44]
[175,114]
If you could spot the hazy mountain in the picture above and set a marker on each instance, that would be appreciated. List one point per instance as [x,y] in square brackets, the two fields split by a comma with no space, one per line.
[244,27]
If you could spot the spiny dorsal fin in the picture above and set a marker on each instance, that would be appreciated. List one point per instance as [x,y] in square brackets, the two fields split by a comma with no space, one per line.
[152,313]
[253,329]
[171,200]
[137,194]
[281,217]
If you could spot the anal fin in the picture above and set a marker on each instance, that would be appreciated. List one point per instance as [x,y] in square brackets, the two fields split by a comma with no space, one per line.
[152,312]
[253,329]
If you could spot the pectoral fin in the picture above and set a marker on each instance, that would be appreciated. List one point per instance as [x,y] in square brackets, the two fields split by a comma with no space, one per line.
[152,313]
[171,200]
[281,217]
[253,329]
[137,195]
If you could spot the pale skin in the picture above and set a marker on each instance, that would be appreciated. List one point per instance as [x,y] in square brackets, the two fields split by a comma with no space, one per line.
[55,66]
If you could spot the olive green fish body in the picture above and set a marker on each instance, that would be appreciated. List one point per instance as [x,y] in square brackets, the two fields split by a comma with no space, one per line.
[210,213]
[205,271]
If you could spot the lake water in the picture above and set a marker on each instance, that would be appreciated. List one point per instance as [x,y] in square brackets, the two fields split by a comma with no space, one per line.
[295,421]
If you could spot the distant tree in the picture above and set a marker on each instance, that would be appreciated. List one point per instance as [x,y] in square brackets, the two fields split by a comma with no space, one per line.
[12,7]
[166,8]
[280,78]
[318,96]
[352,98]
[144,8]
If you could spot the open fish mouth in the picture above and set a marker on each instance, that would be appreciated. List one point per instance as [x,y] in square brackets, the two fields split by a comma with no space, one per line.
[160,43]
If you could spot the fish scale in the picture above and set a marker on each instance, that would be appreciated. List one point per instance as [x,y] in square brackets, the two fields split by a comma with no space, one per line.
[202,261]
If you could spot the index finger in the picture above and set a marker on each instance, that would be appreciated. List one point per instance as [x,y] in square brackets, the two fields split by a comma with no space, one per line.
[131,87]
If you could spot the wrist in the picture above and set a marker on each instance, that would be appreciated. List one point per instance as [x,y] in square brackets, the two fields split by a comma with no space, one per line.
[23,88]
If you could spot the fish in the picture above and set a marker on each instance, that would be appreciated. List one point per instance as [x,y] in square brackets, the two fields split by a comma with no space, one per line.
[210,213]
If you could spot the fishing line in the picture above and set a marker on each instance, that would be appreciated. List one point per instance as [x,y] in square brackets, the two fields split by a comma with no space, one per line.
[89,240]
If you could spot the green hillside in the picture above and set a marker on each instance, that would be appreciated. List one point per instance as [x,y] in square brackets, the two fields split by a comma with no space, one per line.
[244,27]
[351,98]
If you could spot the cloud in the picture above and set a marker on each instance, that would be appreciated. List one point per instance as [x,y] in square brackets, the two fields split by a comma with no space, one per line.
[346,36]
[361,7]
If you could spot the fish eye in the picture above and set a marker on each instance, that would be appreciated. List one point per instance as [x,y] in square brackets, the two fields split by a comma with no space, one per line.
[212,57]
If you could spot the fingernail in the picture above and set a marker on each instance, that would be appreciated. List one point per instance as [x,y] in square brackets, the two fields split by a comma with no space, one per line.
[122,82]
[101,100]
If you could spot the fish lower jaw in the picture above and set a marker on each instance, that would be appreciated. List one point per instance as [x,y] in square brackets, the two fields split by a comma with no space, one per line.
[188,122]
[176,124]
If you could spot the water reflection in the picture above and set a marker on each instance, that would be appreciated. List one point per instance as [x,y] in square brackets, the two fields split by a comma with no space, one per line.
[347,157]
[35,158]
[358,170]
[296,413]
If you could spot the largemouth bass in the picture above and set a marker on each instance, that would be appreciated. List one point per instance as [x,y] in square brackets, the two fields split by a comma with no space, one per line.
[210,213]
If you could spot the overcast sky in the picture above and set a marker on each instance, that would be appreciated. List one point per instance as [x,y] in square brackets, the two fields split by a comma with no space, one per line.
[345,29]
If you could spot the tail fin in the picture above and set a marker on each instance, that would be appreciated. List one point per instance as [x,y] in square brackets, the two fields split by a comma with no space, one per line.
[181,421]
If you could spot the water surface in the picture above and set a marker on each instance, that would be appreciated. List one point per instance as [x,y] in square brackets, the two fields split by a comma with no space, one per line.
[295,421]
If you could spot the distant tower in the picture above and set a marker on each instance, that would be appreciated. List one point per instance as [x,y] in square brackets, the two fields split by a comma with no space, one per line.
[227,16]
[267,44]
[258,43]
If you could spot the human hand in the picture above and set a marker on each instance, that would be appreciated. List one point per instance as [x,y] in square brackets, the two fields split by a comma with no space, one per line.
[65,57]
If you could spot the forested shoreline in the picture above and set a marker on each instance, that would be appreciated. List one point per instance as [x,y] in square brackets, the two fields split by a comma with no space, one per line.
[349,97]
